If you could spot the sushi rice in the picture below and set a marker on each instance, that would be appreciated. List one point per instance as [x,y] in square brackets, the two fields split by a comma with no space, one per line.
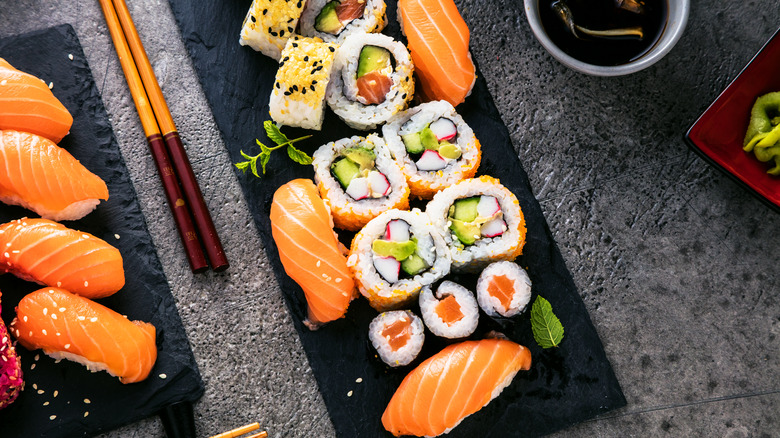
[373,20]
[467,309]
[397,336]
[520,292]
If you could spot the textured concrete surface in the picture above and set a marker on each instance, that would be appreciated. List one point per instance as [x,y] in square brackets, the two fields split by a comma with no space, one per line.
[676,264]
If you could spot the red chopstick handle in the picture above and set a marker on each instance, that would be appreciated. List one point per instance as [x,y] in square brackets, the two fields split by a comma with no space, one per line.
[191,189]
[181,214]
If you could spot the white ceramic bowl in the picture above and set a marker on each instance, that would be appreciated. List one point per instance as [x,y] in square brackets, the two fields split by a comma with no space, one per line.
[675,25]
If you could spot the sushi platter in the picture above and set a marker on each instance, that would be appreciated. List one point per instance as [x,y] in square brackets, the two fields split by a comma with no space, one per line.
[64,398]
[564,385]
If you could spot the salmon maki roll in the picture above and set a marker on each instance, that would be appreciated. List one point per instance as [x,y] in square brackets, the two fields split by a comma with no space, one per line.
[453,384]
[67,326]
[51,254]
[45,178]
[310,252]
[27,104]
[439,43]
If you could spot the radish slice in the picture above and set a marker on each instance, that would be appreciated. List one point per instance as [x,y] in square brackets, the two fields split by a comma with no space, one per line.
[444,129]
[488,206]
[431,160]
[388,268]
[378,184]
[397,231]
[493,228]
[358,188]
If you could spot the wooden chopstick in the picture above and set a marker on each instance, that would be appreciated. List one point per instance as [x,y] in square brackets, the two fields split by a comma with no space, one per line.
[181,162]
[181,214]
[242,430]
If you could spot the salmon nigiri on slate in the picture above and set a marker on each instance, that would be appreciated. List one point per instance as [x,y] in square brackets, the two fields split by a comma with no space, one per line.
[51,254]
[453,384]
[310,252]
[67,326]
[27,104]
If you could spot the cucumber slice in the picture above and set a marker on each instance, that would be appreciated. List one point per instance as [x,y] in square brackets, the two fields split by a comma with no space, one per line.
[466,209]
[345,170]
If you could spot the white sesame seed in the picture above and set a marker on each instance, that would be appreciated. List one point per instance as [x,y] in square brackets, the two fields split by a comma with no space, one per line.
[44,332]
[52,417]
[45,311]
[51,85]
[67,346]
[53,316]
[46,404]
[116,236]
[318,263]
[81,318]
[359,380]
[37,356]
[86,413]
[86,283]
[70,56]
[3,82]
[59,283]
[35,386]
[349,394]
[86,400]
[16,251]
[93,319]
[25,318]
[338,280]
[6,255]
[324,275]
[62,309]
[163,376]
[32,367]
[56,393]
[40,391]
[58,333]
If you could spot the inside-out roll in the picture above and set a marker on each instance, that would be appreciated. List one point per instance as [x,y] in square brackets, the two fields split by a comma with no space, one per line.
[397,336]
[481,220]
[434,147]
[269,24]
[450,312]
[359,179]
[371,81]
[503,289]
[395,255]
[334,20]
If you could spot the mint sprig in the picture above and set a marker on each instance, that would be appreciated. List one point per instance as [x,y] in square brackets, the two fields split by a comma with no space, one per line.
[281,140]
[546,327]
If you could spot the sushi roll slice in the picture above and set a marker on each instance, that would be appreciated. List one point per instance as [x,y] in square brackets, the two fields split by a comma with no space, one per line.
[298,95]
[503,289]
[359,179]
[269,24]
[67,326]
[11,382]
[397,336]
[371,81]
[481,221]
[434,147]
[334,20]
[450,312]
[395,255]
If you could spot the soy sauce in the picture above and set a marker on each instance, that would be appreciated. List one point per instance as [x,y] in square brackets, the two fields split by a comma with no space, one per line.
[603,15]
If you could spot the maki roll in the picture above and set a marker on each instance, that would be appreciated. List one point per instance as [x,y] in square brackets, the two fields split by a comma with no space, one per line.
[395,255]
[268,25]
[298,95]
[450,312]
[503,289]
[397,336]
[359,180]
[371,81]
[434,147]
[334,20]
[481,221]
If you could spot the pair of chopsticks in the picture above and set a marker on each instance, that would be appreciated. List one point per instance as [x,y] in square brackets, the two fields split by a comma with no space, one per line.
[166,147]
[242,430]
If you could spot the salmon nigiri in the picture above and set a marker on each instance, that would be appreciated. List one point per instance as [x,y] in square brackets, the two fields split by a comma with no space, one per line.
[439,42]
[303,231]
[27,104]
[51,254]
[67,326]
[43,177]
[453,384]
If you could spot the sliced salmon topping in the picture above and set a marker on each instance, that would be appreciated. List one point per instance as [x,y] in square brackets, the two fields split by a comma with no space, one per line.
[448,310]
[348,10]
[398,333]
[374,87]
[503,288]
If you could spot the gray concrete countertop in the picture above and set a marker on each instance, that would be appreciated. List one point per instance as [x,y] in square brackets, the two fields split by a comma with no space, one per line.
[676,264]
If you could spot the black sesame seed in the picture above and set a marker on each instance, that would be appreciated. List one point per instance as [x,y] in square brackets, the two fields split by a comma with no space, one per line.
[254,20]
[304,91]
[314,71]
[299,4]
[287,93]
[295,87]
[290,20]
[305,58]
[314,82]
[312,88]
[265,11]
[278,85]
[295,44]
[331,49]
[270,30]
[281,33]
[286,58]
[289,29]
[404,96]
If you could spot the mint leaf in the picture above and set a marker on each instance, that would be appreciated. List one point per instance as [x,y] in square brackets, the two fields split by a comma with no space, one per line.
[546,327]
[298,155]
[273,132]
[242,165]
[263,161]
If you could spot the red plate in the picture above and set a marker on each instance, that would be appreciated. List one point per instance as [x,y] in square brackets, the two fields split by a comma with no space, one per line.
[717,135]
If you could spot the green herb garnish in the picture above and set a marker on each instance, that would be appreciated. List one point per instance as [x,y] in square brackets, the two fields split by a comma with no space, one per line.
[547,328]
[281,140]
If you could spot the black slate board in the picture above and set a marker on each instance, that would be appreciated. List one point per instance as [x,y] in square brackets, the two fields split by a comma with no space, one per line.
[564,386]
[146,295]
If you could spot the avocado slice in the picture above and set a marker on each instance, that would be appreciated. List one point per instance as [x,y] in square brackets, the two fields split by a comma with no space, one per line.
[465,209]
[361,156]
[428,139]
[413,143]
[449,150]
[414,264]
[372,58]
[345,170]
[327,20]
[466,232]
[398,250]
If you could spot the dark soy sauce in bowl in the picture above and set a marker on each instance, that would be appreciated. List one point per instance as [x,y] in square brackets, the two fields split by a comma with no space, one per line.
[600,15]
